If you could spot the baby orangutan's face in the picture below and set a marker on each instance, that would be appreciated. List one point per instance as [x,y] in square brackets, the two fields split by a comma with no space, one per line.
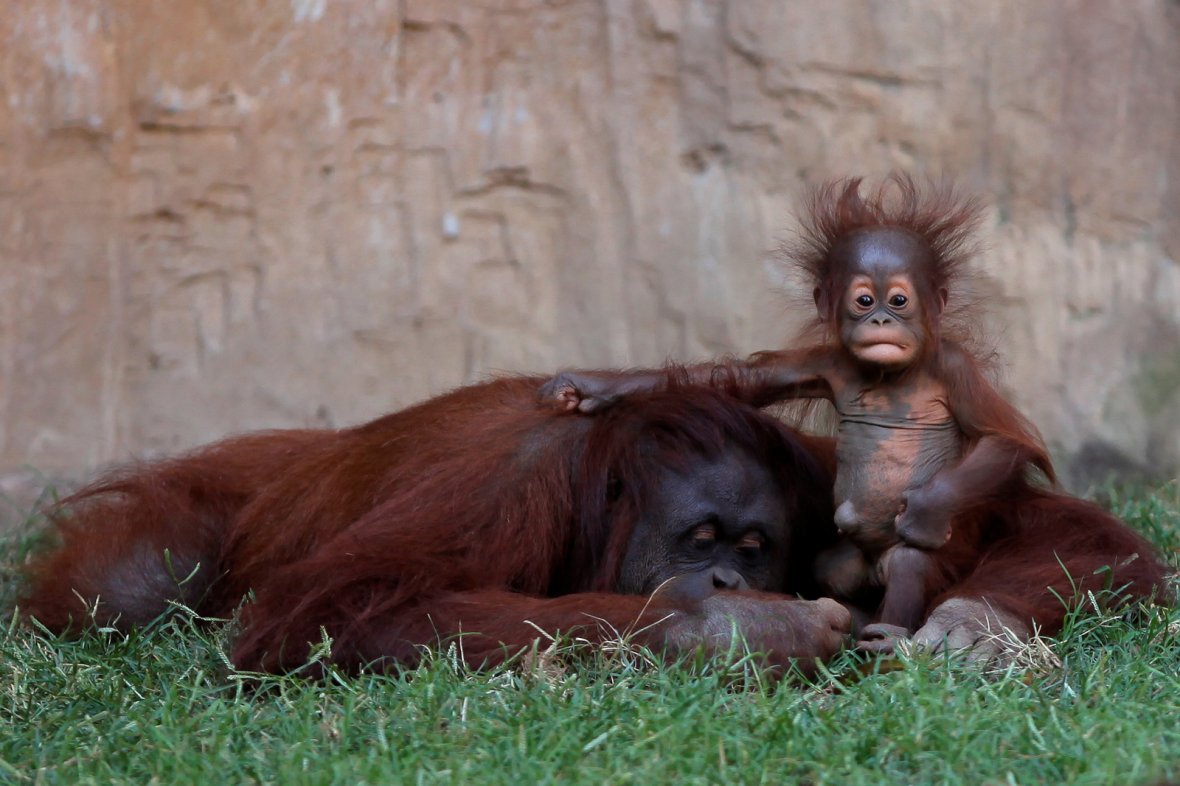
[882,321]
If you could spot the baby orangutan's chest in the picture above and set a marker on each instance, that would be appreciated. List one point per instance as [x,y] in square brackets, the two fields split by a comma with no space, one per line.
[892,440]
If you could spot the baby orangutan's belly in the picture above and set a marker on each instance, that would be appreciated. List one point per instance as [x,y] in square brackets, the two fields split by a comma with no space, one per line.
[878,460]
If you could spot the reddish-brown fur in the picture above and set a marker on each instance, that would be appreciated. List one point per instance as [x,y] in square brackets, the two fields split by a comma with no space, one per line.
[943,218]
[850,245]
[1044,550]
[477,513]
[1009,540]
[946,221]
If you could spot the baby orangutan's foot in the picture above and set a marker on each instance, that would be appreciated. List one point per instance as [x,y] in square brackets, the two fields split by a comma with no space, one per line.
[881,638]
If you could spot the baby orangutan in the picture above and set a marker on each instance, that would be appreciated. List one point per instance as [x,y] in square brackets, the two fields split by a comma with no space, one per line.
[925,443]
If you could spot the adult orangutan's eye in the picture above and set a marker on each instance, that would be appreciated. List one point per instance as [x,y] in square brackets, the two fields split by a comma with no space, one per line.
[751,544]
[864,301]
[704,536]
[898,301]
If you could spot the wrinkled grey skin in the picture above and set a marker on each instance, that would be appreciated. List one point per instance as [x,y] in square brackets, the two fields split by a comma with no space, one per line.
[980,631]
[988,633]
[781,629]
[734,496]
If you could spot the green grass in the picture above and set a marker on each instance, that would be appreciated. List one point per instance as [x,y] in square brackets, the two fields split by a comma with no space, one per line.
[163,706]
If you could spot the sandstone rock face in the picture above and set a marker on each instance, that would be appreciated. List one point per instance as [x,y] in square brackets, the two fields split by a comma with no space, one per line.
[217,216]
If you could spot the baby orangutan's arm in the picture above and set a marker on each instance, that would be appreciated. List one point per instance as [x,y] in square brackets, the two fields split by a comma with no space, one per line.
[1001,444]
[763,379]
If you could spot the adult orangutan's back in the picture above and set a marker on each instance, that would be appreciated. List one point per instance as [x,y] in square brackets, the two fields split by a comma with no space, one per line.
[479,512]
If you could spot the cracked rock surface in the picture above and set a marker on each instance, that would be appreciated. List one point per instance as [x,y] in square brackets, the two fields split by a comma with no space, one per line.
[218,216]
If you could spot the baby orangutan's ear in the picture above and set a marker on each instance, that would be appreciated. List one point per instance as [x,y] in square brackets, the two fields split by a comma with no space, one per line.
[822,301]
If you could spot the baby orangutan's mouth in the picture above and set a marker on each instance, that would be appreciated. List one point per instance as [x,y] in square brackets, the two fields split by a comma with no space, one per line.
[884,353]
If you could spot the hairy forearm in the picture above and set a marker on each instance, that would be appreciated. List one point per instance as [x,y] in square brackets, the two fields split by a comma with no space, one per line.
[782,375]
[490,625]
[763,379]
[990,467]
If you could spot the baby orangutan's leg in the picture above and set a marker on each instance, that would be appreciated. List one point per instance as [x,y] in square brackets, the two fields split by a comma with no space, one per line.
[906,573]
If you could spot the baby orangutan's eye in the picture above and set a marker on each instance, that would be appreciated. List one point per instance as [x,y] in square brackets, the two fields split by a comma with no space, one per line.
[864,301]
[898,301]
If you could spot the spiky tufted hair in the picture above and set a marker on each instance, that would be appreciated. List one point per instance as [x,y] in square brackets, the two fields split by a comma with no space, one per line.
[943,218]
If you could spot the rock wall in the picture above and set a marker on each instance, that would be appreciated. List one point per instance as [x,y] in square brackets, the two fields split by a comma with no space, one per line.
[218,215]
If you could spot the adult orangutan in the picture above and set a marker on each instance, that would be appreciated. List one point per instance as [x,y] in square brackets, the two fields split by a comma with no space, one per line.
[477,515]
[931,460]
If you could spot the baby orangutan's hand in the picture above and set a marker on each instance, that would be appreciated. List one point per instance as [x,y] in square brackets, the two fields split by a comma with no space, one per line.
[925,517]
[591,391]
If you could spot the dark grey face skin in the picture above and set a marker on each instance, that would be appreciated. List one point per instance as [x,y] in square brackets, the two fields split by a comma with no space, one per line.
[880,252]
[882,317]
[720,525]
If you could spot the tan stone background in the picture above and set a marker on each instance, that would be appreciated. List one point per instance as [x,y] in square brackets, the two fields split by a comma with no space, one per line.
[219,215]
